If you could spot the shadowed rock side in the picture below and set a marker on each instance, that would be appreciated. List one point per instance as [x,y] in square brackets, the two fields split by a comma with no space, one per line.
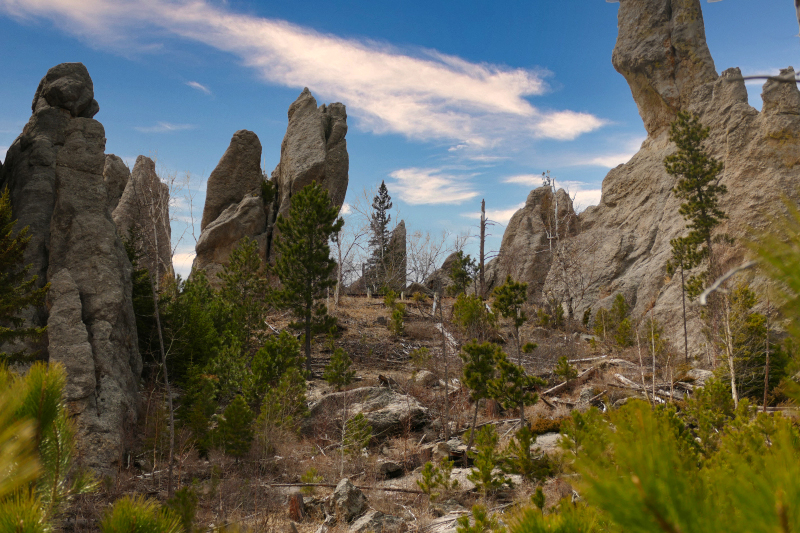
[115,175]
[237,174]
[313,148]
[625,240]
[143,212]
[54,170]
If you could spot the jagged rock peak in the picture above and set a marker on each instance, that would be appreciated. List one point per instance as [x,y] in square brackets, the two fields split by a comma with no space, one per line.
[313,149]
[69,87]
[662,52]
[237,174]
[115,175]
[143,210]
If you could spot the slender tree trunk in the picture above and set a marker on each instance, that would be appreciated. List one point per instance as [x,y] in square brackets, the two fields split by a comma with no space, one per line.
[766,365]
[168,389]
[641,363]
[481,279]
[729,352]
[683,300]
[472,431]
[446,377]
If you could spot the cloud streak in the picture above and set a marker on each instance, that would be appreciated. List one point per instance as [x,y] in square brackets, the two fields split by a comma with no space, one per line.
[427,186]
[199,86]
[421,94]
[164,127]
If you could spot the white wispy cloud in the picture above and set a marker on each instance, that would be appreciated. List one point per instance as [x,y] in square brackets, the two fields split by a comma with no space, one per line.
[422,94]
[619,155]
[182,263]
[419,186]
[529,180]
[199,86]
[501,216]
[346,209]
[164,127]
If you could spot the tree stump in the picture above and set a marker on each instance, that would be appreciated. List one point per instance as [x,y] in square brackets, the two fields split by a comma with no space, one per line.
[297,508]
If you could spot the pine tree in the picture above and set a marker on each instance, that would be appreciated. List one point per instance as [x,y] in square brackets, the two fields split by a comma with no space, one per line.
[304,264]
[379,226]
[682,259]
[462,271]
[508,301]
[487,459]
[16,292]
[245,293]
[478,372]
[279,354]
[236,428]
[512,387]
[338,373]
[698,185]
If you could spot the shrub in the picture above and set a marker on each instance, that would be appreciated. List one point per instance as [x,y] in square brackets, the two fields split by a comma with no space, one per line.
[310,476]
[485,474]
[521,461]
[184,504]
[540,426]
[278,354]
[357,434]
[565,370]
[236,428]
[283,409]
[337,372]
[482,522]
[434,480]
[472,316]
[135,514]
[396,321]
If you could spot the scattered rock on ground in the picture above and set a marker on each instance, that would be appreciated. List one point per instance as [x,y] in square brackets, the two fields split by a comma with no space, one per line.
[374,521]
[348,501]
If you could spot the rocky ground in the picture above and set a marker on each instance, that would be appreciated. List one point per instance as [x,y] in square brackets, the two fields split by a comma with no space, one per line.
[404,401]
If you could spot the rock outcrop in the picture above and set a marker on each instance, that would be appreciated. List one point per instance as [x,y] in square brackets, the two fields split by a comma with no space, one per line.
[314,149]
[531,234]
[54,171]
[142,214]
[388,412]
[624,241]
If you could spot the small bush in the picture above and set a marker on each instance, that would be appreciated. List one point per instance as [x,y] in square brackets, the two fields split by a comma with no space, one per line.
[565,370]
[482,522]
[357,434]
[184,504]
[139,515]
[484,473]
[396,320]
[310,476]
[520,459]
[436,479]
[540,426]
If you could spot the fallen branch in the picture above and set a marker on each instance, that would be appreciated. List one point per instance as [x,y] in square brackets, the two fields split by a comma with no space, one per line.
[586,359]
[333,486]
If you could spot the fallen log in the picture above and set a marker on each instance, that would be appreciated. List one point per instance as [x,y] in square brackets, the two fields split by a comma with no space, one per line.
[333,486]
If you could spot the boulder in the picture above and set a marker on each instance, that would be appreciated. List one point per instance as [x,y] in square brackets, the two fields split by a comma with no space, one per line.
[440,279]
[54,171]
[142,213]
[115,175]
[391,470]
[388,412]
[348,501]
[377,521]
[237,174]
[426,378]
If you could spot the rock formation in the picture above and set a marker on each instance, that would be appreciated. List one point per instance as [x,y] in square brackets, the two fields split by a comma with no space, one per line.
[624,241]
[313,149]
[142,214]
[54,171]
[530,235]
[115,175]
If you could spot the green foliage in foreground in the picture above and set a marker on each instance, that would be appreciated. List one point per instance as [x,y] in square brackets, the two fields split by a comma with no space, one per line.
[139,515]
[435,480]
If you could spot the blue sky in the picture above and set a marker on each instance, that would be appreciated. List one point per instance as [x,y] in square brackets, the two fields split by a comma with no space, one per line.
[449,102]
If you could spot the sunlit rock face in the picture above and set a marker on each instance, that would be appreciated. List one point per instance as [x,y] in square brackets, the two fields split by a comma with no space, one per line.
[623,244]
